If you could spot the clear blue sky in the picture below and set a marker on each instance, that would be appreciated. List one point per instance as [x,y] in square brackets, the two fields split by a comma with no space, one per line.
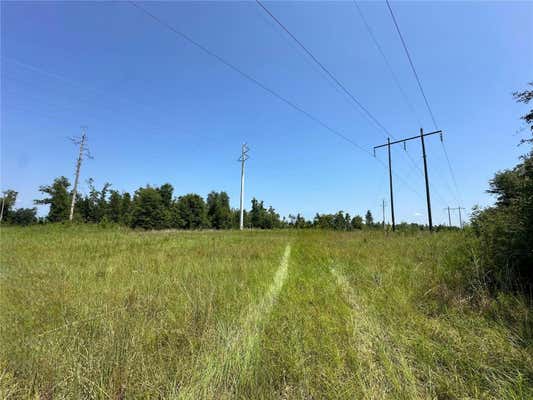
[159,110]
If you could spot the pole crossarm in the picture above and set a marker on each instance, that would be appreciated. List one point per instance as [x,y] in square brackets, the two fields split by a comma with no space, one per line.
[421,136]
[407,139]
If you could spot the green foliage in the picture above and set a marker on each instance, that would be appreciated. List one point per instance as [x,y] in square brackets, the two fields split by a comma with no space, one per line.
[94,206]
[369,219]
[23,216]
[525,97]
[191,212]
[58,199]
[149,211]
[218,210]
[506,229]
[115,207]
[166,191]
[126,209]
[262,218]
[8,201]
[297,222]
[357,222]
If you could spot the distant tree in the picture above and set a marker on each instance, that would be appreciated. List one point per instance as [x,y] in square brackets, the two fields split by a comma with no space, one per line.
[8,201]
[94,207]
[272,219]
[126,209]
[24,216]
[58,199]
[369,219]
[525,97]
[166,191]
[218,210]
[192,212]
[357,222]
[324,221]
[339,223]
[115,207]
[299,222]
[347,222]
[257,213]
[148,209]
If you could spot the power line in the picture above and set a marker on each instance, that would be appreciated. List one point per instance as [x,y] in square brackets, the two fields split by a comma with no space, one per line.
[386,60]
[451,172]
[344,89]
[423,93]
[412,64]
[262,86]
[247,76]
[339,84]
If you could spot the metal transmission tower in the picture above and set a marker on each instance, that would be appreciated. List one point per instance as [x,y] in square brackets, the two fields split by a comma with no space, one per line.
[82,142]
[244,156]
[428,198]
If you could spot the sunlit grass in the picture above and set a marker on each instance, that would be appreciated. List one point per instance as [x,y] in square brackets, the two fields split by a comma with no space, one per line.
[108,313]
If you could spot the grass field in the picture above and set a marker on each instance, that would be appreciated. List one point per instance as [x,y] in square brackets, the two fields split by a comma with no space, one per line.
[88,312]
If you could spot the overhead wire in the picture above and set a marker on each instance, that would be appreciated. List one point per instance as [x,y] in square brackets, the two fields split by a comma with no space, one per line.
[340,84]
[420,87]
[257,83]
[398,85]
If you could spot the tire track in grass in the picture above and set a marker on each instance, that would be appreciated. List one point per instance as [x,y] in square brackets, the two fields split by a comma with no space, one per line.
[219,373]
[388,373]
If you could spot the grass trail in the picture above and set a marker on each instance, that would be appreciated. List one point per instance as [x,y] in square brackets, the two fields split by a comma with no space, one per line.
[218,372]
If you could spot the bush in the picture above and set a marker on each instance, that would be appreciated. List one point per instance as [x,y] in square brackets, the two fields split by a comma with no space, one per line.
[506,230]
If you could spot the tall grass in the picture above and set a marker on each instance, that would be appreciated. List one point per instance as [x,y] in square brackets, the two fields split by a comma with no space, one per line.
[111,313]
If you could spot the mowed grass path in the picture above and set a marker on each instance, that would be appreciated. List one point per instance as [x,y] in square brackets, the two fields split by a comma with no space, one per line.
[112,314]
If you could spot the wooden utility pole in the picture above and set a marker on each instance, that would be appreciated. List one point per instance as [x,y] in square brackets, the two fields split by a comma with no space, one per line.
[390,187]
[428,198]
[242,159]
[83,150]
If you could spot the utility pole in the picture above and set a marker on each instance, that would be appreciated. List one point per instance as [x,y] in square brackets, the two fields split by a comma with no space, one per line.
[390,187]
[459,208]
[242,159]
[383,207]
[449,217]
[2,211]
[83,150]
[428,198]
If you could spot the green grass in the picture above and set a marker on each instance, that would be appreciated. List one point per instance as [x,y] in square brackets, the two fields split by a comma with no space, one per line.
[87,312]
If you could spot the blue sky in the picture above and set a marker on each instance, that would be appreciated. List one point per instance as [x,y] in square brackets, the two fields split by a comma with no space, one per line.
[159,110]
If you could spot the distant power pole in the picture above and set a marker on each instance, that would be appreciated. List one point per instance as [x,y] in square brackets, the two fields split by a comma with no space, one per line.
[383,207]
[428,199]
[3,202]
[449,216]
[459,208]
[83,150]
[242,159]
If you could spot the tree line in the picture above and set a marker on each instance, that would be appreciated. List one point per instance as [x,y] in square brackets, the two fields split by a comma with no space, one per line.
[155,207]
[505,229]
